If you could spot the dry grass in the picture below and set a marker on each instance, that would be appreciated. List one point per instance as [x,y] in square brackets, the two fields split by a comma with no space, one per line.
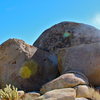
[9,93]
[95,95]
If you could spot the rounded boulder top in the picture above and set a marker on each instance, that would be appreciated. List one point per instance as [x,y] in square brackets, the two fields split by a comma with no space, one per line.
[67,34]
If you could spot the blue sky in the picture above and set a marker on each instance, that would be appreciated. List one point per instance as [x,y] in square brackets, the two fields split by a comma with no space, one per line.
[27,19]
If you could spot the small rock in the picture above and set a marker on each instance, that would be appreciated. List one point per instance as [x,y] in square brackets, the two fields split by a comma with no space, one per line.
[30,96]
[82,91]
[81,99]
[59,94]
[21,93]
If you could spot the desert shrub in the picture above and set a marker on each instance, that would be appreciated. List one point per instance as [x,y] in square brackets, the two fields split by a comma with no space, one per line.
[9,93]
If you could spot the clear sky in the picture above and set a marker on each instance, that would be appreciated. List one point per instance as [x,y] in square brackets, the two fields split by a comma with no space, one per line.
[27,19]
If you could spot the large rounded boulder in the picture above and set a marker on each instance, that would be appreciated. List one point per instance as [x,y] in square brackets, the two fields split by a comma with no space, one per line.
[26,66]
[67,34]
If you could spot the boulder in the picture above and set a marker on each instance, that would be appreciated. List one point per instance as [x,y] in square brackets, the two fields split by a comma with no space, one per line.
[30,96]
[82,91]
[21,93]
[25,66]
[67,34]
[64,81]
[59,94]
[84,59]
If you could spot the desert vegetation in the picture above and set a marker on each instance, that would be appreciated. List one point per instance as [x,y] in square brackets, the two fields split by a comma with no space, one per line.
[9,93]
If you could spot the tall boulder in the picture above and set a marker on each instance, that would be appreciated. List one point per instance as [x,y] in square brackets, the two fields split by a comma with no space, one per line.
[67,34]
[26,66]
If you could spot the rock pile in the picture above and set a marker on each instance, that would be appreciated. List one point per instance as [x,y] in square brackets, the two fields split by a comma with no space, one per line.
[61,65]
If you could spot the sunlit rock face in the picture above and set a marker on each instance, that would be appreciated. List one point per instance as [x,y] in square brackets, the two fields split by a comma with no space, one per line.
[67,34]
[25,66]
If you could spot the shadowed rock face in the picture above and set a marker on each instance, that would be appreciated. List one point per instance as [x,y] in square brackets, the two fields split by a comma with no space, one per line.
[84,58]
[25,66]
[67,34]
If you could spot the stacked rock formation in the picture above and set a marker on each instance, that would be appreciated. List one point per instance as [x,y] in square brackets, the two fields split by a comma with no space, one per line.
[61,65]
[77,47]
